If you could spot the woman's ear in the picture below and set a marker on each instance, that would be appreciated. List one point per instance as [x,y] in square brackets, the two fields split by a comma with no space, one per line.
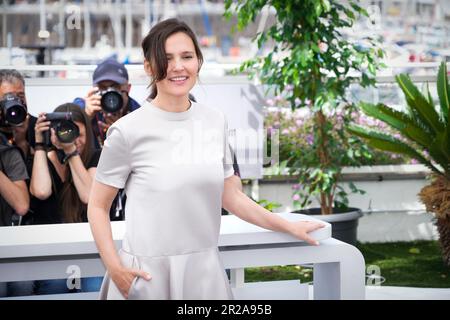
[148,68]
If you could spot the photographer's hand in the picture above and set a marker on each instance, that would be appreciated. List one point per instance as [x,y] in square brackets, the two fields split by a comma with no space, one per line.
[93,102]
[41,126]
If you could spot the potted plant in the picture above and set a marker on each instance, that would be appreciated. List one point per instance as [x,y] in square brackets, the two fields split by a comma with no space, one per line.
[423,133]
[311,65]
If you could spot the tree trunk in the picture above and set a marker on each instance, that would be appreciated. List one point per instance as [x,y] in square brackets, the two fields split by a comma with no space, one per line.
[443,227]
[325,205]
[436,198]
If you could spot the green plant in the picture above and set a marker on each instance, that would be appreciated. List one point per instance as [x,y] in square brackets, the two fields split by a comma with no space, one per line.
[296,145]
[312,64]
[423,134]
[269,205]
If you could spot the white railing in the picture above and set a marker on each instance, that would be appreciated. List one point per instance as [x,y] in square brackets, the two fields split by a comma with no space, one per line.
[48,251]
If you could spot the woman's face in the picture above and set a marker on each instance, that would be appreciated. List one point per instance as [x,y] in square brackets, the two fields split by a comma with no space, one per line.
[80,142]
[182,66]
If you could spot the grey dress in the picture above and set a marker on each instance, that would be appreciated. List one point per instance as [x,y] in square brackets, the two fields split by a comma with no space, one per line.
[172,166]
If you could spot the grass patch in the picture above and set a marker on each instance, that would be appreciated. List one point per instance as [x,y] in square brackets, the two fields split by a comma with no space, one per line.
[406,264]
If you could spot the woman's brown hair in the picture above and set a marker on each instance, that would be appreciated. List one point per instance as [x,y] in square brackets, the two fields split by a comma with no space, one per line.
[154,44]
[72,208]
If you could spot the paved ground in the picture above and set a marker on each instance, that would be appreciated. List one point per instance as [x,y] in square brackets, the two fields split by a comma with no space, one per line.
[401,293]
[406,293]
[396,226]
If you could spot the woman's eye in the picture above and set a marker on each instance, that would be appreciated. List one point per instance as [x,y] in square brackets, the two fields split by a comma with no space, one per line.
[188,57]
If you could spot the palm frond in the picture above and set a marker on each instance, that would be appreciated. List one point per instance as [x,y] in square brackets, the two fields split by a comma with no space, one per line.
[416,101]
[443,89]
[400,121]
[386,142]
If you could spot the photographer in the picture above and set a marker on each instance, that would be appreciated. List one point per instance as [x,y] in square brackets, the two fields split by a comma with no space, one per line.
[14,204]
[62,177]
[22,134]
[62,173]
[108,100]
[14,197]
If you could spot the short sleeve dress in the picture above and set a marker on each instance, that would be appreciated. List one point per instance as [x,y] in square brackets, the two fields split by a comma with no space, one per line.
[172,166]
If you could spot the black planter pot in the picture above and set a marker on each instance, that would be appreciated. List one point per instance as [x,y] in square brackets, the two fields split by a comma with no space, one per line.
[344,222]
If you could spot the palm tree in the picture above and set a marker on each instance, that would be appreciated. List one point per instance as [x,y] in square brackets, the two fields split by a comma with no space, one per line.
[424,131]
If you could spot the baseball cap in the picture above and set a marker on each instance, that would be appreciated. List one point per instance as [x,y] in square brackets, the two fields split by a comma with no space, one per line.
[112,70]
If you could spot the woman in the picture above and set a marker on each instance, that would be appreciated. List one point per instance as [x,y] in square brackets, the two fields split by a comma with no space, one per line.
[172,157]
[60,182]
[63,188]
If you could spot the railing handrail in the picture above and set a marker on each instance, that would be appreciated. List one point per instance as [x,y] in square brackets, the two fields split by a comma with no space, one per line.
[213,66]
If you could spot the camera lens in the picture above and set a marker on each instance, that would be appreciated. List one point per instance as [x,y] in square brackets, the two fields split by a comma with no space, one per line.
[15,115]
[13,111]
[112,101]
[67,131]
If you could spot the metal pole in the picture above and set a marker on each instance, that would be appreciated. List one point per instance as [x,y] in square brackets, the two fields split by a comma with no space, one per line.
[43,20]
[61,29]
[129,26]
[87,25]
[146,22]
[4,33]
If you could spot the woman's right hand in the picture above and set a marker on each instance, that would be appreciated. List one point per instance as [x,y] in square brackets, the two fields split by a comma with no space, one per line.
[123,278]
[41,126]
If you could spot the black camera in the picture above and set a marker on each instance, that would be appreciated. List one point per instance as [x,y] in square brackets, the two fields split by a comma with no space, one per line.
[12,111]
[66,129]
[112,100]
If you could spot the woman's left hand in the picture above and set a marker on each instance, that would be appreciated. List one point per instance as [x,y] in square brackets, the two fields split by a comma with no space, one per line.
[66,147]
[301,230]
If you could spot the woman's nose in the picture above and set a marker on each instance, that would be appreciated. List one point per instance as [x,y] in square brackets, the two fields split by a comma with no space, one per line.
[178,64]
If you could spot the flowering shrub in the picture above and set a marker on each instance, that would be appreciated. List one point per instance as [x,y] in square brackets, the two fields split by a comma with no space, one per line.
[298,149]
[297,139]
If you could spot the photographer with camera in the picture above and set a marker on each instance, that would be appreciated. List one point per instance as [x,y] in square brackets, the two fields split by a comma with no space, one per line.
[108,100]
[14,197]
[62,171]
[17,125]
[14,202]
[64,165]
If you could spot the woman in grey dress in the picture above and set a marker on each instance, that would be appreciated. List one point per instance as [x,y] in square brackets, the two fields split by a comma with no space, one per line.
[172,158]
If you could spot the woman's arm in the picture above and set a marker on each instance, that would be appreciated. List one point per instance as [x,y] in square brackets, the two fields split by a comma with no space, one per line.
[41,182]
[238,203]
[15,193]
[99,204]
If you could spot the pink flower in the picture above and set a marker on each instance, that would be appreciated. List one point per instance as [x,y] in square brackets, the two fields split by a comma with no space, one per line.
[270,102]
[298,122]
[297,101]
[323,47]
[285,131]
[289,87]
[296,197]
[414,161]
[295,186]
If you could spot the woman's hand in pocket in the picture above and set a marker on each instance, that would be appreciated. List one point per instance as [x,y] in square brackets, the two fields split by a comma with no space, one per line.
[123,278]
